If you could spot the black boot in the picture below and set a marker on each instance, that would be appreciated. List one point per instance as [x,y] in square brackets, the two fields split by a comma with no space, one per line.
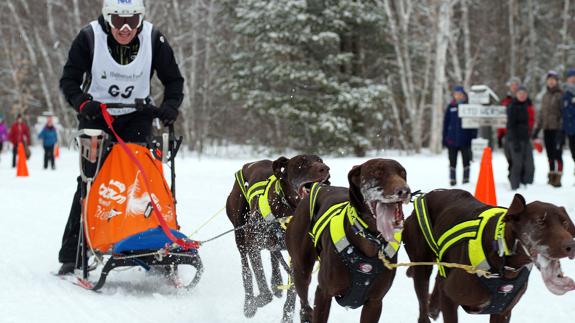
[466,171]
[67,268]
[452,180]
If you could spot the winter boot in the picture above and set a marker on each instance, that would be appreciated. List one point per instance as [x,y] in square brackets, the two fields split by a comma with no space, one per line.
[67,268]
[452,180]
[557,179]
[550,178]
[466,171]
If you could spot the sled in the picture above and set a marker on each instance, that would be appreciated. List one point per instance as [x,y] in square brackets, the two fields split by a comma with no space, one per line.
[128,209]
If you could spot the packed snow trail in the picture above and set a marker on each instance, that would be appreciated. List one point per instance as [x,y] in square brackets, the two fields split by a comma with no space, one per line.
[34,210]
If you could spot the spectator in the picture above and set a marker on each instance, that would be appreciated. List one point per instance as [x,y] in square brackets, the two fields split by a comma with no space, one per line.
[3,133]
[513,84]
[455,138]
[549,120]
[19,134]
[569,110]
[49,137]
[520,122]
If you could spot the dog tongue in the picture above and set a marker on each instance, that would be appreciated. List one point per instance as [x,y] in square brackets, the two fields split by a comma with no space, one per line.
[553,277]
[385,216]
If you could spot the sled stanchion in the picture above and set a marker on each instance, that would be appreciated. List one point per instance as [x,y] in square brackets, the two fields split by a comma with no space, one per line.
[171,148]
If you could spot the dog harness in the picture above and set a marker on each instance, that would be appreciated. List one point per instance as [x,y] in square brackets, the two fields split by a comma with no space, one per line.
[362,269]
[503,291]
[261,191]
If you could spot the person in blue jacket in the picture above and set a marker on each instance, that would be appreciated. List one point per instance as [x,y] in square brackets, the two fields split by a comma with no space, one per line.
[49,137]
[455,138]
[568,110]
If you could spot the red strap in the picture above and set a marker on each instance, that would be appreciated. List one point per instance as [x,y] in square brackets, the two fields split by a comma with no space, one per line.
[181,242]
[82,105]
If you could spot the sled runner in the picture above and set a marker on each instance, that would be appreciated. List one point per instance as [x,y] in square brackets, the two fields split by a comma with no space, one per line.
[128,209]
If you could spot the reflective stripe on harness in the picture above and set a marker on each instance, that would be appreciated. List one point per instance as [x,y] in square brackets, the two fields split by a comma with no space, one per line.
[335,216]
[259,190]
[363,270]
[471,230]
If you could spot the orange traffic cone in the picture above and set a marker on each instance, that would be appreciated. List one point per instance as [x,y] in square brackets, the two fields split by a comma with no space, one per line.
[56,151]
[485,189]
[22,169]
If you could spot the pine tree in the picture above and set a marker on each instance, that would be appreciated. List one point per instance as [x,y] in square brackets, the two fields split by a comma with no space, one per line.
[302,66]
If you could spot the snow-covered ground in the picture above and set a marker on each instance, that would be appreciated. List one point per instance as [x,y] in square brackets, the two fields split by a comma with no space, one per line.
[34,210]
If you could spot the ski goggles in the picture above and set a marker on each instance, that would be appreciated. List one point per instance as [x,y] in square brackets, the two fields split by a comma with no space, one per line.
[121,21]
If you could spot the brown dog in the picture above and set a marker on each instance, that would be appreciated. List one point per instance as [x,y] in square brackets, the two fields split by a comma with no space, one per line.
[511,241]
[280,195]
[376,191]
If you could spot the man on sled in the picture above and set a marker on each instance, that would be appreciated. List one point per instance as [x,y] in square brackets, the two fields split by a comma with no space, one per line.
[112,60]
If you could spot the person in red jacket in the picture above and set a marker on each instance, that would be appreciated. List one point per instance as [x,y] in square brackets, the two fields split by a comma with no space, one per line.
[513,84]
[19,133]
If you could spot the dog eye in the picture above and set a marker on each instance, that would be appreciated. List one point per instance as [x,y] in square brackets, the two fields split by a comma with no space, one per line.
[541,220]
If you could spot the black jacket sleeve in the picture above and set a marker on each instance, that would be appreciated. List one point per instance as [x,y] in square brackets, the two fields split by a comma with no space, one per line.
[78,66]
[164,64]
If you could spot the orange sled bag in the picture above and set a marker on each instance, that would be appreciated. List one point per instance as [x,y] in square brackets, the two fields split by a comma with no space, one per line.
[118,204]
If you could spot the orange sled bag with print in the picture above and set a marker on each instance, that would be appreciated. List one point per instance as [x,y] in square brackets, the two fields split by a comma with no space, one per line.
[118,204]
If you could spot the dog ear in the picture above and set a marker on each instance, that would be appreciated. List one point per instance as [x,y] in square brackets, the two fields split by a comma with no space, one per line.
[516,208]
[279,167]
[354,178]
[570,225]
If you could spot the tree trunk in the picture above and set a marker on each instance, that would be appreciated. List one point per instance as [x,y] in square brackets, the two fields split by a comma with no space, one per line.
[442,40]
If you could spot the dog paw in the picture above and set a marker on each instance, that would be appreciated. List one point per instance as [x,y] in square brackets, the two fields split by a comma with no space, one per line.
[263,299]
[277,291]
[287,318]
[250,308]
[433,313]
[423,320]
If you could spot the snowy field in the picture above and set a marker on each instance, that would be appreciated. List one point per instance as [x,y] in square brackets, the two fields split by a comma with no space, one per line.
[34,210]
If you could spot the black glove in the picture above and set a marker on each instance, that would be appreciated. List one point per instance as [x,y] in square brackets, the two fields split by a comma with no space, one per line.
[168,114]
[90,110]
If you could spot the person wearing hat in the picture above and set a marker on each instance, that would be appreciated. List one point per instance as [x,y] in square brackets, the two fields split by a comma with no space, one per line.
[3,133]
[49,137]
[19,134]
[112,60]
[569,110]
[455,138]
[549,119]
[513,84]
[518,145]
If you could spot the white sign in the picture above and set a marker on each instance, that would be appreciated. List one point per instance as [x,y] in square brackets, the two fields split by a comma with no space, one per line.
[479,98]
[476,122]
[482,94]
[477,147]
[483,111]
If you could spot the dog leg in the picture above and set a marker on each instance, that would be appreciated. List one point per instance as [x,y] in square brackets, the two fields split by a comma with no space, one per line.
[501,318]
[289,306]
[250,307]
[302,271]
[322,305]
[276,274]
[434,306]
[371,311]
[448,309]
[265,296]
[421,283]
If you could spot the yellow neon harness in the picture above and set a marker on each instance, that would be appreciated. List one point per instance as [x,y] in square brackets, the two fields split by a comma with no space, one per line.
[363,270]
[335,216]
[471,230]
[261,191]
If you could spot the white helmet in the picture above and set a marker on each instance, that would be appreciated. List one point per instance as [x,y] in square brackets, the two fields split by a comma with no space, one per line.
[123,8]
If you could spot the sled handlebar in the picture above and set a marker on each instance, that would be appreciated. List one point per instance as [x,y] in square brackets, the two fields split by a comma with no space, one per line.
[140,105]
